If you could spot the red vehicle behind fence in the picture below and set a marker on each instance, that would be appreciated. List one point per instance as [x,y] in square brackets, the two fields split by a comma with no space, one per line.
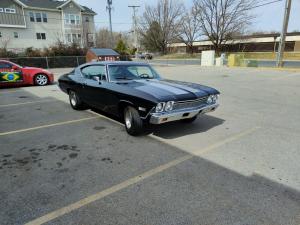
[12,74]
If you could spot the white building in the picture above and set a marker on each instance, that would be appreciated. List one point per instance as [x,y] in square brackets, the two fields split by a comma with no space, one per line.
[41,23]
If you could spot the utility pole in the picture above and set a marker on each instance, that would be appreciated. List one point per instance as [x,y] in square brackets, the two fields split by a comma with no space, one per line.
[109,8]
[135,33]
[281,48]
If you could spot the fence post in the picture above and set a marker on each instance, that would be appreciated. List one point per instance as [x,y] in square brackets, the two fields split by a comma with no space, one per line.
[47,62]
[77,60]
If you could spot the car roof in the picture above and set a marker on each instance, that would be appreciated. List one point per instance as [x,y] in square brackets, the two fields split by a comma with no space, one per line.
[116,63]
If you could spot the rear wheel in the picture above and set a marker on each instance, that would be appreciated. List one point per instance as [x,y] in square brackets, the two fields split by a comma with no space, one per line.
[75,101]
[41,80]
[133,123]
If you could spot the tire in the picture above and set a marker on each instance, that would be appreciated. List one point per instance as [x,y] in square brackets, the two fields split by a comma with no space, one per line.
[133,123]
[41,80]
[189,120]
[75,101]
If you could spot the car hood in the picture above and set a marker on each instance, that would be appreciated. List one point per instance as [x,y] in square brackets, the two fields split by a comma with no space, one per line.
[169,90]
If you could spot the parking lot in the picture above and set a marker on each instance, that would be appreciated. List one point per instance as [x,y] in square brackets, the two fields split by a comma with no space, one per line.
[237,165]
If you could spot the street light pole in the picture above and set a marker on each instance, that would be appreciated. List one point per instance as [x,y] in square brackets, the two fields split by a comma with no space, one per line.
[281,48]
[135,33]
[109,8]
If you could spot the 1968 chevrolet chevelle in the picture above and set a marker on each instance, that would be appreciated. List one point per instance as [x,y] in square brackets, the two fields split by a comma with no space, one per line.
[136,93]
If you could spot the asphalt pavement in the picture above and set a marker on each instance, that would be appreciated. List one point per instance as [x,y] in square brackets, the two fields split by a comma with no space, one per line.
[238,165]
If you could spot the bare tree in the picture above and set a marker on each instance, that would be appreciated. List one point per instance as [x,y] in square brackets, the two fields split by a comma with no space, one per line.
[4,46]
[190,29]
[220,20]
[103,38]
[166,14]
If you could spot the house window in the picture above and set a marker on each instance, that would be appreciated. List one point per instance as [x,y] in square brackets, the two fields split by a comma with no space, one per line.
[31,16]
[41,36]
[45,18]
[87,19]
[67,21]
[72,19]
[73,38]
[16,35]
[77,20]
[69,38]
[1,10]
[38,17]
[0,34]
[9,10]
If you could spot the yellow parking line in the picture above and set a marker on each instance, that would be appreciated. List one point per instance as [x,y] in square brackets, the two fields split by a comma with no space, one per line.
[48,125]
[92,198]
[26,103]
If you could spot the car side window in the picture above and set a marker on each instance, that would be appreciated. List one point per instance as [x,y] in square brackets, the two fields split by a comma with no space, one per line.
[96,72]
[4,65]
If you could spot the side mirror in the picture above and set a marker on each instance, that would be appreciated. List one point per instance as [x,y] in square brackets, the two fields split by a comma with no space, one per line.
[96,78]
[15,67]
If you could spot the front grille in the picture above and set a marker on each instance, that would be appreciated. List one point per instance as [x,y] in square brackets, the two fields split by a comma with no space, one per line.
[190,103]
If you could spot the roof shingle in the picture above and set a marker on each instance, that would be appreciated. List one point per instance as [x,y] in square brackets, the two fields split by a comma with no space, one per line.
[50,4]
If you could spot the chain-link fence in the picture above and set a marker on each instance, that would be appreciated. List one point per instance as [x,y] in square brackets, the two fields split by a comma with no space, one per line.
[49,62]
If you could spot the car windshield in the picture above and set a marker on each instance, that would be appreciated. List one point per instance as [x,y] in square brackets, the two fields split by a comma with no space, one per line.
[17,65]
[131,72]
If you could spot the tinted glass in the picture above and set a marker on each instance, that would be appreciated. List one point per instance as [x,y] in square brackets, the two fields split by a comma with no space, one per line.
[94,72]
[5,65]
[131,72]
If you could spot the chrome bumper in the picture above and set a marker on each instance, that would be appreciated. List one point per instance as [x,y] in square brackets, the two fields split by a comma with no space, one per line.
[159,118]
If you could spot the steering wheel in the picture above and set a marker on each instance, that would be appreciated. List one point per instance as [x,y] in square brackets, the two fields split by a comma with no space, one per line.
[144,75]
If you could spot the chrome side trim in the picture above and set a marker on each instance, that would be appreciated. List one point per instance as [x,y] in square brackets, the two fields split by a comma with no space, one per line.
[159,118]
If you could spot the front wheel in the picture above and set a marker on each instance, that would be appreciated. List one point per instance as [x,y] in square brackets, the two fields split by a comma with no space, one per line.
[133,123]
[75,101]
[41,80]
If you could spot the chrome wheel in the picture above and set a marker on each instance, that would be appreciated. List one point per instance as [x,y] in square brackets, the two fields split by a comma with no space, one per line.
[73,99]
[41,79]
[128,119]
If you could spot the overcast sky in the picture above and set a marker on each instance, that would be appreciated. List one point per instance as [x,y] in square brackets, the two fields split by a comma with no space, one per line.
[268,18]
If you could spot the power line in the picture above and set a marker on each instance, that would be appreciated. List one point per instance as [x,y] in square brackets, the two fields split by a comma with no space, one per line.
[120,23]
[264,4]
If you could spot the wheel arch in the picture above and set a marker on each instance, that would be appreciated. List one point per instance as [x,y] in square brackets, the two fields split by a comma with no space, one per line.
[122,105]
[40,73]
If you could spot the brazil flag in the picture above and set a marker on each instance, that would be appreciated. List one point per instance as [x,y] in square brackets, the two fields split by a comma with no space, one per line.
[10,77]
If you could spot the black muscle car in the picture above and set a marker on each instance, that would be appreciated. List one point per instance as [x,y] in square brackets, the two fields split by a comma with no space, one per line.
[136,93]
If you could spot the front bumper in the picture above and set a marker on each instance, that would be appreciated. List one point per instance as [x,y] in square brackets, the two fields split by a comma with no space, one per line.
[159,118]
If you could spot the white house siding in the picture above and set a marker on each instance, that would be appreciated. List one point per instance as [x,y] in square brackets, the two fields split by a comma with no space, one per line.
[55,29]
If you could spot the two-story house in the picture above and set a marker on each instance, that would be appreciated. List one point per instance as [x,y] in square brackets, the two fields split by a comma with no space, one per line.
[42,23]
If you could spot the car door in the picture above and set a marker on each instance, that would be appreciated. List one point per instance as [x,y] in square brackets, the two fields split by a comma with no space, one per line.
[10,74]
[94,87]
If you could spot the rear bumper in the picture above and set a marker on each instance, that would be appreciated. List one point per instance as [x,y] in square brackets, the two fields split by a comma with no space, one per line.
[159,118]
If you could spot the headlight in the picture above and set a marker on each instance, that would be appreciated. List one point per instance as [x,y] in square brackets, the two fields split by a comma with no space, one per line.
[169,106]
[210,99]
[160,107]
[215,98]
